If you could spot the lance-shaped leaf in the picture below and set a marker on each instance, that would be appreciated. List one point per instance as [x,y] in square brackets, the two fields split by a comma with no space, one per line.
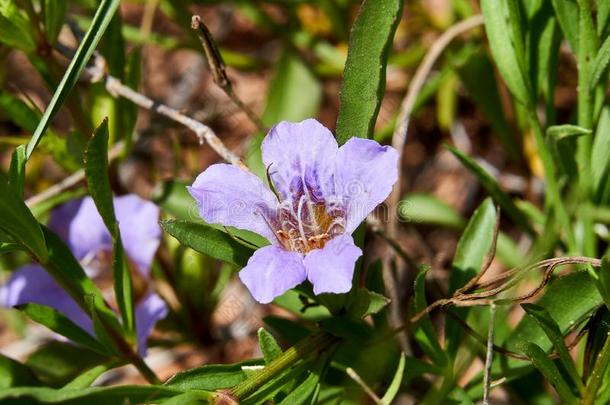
[103,15]
[18,222]
[364,75]
[207,240]
[390,394]
[96,172]
[59,323]
[134,394]
[269,347]
[212,377]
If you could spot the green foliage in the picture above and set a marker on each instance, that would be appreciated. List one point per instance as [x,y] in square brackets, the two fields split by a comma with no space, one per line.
[364,75]
[96,172]
[210,241]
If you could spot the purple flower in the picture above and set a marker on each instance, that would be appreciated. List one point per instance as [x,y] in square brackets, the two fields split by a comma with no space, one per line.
[322,192]
[81,227]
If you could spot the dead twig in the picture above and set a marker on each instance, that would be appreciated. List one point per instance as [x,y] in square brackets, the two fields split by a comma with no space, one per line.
[218,69]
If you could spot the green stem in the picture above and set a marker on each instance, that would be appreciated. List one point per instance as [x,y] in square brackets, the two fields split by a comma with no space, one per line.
[586,45]
[598,374]
[553,199]
[314,344]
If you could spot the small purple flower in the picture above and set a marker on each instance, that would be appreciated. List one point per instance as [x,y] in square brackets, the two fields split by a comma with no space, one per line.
[81,227]
[322,192]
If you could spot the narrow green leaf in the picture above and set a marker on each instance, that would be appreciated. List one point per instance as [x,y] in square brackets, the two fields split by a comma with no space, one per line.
[493,188]
[600,64]
[550,372]
[568,300]
[14,374]
[600,157]
[54,12]
[66,270]
[59,323]
[560,132]
[504,47]
[426,209]
[190,398]
[212,377]
[567,15]
[473,246]
[87,378]
[57,363]
[550,327]
[424,332]
[210,241]
[96,173]
[604,280]
[17,221]
[102,18]
[303,392]
[364,75]
[17,170]
[390,394]
[269,347]
[16,28]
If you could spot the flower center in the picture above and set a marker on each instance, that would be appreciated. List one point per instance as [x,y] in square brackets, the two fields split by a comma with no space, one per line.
[305,223]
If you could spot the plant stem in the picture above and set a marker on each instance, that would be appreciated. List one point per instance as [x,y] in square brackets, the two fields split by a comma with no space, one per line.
[314,344]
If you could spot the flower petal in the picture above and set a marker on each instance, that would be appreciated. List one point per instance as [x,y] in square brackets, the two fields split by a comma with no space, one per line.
[31,283]
[271,271]
[230,196]
[364,176]
[331,268]
[148,312]
[81,227]
[140,231]
[300,154]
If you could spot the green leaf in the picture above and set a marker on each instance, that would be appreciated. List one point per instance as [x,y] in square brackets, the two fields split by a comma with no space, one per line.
[131,394]
[57,363]
[364,75]
[426,209]
[294,94]
[54,12]
[17,221]
[600,157]
[59,323]
[16,28]
[550,372]
[303,392]
[190,398]
[210,241]
[568,300]
[14,374]
[17,170]
[504,47]
[550,327]
[390,394]
[269,347]
[567,15]
[473,246]
[493,188]
[67,271]
[560,132]
[96,173]
[423,331]
[600,64]
[212,377]
[604,280]
[365,302]
[102,18]
[87,378]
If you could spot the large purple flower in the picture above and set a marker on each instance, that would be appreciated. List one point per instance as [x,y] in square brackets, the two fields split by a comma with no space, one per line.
[81,227]
[322,192]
